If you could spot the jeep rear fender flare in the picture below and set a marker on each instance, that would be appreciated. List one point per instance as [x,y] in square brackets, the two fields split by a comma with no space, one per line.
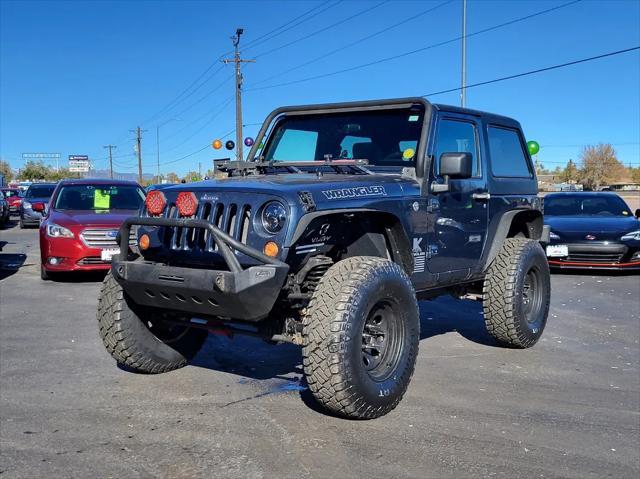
[398,243]
[530,217]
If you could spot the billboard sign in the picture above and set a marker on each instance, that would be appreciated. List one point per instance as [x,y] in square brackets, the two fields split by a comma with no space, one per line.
[78,163]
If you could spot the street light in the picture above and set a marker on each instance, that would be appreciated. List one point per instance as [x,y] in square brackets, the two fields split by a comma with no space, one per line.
[158,141]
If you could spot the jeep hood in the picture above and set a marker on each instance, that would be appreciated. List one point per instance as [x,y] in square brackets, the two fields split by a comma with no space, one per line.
[325,187]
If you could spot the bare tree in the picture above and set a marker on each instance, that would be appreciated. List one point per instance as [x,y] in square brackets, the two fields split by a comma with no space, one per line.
[600,165]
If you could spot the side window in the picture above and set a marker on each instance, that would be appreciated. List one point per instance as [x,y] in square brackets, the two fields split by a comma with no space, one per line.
[296,145]
[508,158]
[458,137]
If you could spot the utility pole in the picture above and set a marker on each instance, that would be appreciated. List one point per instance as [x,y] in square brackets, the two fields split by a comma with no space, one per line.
[463,93]
[111,147]
[200,171]
[237,60]
[139,132]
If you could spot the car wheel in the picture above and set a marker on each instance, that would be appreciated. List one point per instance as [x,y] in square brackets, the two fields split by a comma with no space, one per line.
[360,337]
[138,339]
[44,274]
[517,291]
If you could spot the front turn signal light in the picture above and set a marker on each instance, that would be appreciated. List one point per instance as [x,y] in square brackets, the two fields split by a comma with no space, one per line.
[271,249]
[144,242]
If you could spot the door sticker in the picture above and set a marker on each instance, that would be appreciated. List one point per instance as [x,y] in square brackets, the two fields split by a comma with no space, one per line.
[419,256]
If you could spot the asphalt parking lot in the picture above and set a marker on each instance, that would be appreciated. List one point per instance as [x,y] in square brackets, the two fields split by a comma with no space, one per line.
[569,407]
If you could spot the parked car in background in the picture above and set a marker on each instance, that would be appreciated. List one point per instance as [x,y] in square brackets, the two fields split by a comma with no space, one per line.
[34,203]
[594,230]
[4,209]
[80,227]
[14,199]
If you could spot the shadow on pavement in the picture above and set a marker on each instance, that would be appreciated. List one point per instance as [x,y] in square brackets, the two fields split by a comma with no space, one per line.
[447,314]
[10,263]
[254,358]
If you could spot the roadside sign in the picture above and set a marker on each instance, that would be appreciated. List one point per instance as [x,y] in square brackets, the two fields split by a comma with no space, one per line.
[79,163]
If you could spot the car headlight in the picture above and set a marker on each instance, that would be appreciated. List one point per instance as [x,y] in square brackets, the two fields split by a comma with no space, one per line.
[26,204]
[632,235]
[57,231]
[274,216]
[553,236]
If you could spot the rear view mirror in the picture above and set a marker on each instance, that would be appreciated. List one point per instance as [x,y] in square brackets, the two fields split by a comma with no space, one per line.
[637,213]
[38,207]
[455,166]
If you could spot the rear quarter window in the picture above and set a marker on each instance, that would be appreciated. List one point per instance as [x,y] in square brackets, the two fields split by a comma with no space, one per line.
[508,158]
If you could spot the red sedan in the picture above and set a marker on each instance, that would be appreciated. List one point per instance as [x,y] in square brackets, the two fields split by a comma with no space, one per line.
[78,232]
[14,199]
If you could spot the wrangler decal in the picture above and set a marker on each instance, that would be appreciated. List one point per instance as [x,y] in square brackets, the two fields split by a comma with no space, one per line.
[355,192]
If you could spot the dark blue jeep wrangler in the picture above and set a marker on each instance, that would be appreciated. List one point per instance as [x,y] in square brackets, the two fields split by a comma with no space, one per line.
[340,219]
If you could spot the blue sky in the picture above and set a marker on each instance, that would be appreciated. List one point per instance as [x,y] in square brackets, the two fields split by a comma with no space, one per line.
[75,76]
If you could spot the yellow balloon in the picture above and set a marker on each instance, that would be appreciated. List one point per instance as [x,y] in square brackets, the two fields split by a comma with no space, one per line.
[408,153]
[217,144]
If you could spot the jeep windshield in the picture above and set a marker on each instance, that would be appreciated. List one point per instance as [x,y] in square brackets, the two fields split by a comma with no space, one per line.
[99,197]
[385,138]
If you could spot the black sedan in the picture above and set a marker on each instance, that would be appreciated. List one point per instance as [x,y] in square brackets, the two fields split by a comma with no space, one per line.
[592,230]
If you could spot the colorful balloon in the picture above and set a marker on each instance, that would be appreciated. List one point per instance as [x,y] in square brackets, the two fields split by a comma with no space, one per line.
[533,147]
[248,141]
[217,144]
[230,145]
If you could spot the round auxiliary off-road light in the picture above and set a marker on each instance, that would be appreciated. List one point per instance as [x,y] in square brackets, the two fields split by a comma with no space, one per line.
[271,249]
[155,202]
[144,242]
[187,203]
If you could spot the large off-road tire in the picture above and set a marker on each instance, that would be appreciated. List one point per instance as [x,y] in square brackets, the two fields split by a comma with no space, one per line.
[360,337]
[137,339]
[517,290]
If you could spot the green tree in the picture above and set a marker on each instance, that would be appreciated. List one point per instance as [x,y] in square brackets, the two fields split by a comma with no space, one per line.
[600,165]
[61,174]
[570,173]
[35,170]
[172,177]
[6,171]
[192,176]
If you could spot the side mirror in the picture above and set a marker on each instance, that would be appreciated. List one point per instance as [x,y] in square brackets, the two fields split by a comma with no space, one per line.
[455,166]
[38,207]
[637,213]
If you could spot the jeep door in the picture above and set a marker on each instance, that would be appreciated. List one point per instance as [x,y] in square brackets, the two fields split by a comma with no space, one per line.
[459,215]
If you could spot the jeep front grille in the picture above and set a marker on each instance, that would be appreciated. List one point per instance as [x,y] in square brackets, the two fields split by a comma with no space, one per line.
[232,218]
[103,237]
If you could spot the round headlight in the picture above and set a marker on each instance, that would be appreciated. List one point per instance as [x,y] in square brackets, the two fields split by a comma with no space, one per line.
[274,216]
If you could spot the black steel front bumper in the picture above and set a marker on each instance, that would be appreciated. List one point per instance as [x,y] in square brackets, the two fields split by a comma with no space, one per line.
[237,293]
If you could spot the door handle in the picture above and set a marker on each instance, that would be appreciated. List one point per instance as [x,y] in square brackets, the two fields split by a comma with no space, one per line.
[484,196]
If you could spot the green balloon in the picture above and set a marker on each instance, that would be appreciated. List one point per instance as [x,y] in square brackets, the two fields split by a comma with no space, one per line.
[533,147]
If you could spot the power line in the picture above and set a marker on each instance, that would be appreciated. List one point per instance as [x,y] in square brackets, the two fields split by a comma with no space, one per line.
[178,99]
[356,42]
[326,6]
[324,29]
[208,145]
[539,70]
[213,116]
[412,52]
